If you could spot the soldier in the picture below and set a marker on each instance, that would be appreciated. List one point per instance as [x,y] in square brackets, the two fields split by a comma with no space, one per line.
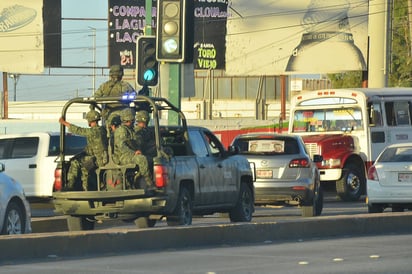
[95,152]
[127,148]
[146,134]
[113,88]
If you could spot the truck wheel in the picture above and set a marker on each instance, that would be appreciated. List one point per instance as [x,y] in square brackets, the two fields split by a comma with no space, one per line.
[79,223]
[144,222]
[182,214]
[244,208]
[349,187]
[13,220]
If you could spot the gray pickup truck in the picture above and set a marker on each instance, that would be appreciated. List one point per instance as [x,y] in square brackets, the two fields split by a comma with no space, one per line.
[192,171]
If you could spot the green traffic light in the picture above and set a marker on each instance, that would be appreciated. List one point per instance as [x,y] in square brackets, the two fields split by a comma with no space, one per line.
[149,75]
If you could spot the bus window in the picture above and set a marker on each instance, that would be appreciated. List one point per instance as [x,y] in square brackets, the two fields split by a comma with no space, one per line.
[397,113]
[375,114]
[402,113]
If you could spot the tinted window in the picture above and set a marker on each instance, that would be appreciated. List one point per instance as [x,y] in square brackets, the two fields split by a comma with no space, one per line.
[15,148]
[198,145]
[74,144]
[25,147]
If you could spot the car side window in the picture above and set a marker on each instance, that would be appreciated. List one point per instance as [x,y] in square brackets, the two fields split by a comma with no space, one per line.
[25,147]
[198,148]
[5,145]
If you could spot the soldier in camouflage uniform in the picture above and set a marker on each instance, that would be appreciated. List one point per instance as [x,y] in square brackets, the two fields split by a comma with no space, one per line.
[127,148]
[146,134]
[113,88]
[94,154]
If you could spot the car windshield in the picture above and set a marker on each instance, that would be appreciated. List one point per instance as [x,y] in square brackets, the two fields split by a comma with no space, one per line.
[267,146]
[331,119]
[396,154]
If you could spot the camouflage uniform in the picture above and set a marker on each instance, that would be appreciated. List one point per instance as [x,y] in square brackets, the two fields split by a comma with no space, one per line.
[146,134]
[126,143]
[94,154]
[114,87]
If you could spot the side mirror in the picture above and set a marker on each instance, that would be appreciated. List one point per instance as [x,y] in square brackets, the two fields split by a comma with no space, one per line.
[317,158]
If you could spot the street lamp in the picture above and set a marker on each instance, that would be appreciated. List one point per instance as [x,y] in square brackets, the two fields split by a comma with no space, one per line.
[15,78]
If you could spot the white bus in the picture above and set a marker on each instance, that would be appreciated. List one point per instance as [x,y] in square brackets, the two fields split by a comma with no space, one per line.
[349,128]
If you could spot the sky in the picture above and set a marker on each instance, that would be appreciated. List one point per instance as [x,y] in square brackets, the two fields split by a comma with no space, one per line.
[57,84]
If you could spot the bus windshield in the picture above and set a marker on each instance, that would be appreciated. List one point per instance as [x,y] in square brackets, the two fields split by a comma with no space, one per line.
[326,120]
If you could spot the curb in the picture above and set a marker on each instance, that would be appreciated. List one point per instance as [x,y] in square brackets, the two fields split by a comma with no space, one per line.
[115,241]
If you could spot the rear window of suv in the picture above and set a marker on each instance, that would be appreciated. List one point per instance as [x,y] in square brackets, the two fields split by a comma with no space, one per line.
[74,144]
[267,146]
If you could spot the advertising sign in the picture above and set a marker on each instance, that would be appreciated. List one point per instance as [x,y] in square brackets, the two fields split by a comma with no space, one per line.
[294,37]
[21,36]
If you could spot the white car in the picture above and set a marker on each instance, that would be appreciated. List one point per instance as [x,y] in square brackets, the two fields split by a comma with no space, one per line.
[15,214]
[30,158]
[389,182]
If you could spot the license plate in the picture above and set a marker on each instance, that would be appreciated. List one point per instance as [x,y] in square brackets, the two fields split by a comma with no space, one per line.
[264,174]
[405,177]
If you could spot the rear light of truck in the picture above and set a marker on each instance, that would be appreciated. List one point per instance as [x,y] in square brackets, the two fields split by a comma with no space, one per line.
[161,176]
[57,186]
[302,162]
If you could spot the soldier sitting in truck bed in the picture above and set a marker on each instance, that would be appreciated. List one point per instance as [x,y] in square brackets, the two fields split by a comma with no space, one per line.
[127,148]
[95,153]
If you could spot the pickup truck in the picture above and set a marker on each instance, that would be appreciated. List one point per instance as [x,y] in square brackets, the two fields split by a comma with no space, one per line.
[193,175]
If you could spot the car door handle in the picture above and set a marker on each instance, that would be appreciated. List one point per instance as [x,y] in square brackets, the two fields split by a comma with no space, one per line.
[32,166]
[219,165]
[201,166]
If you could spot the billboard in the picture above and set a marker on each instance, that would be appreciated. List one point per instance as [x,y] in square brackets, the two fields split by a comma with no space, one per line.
[293,37]
[127,21]
[210,19]
[21,36]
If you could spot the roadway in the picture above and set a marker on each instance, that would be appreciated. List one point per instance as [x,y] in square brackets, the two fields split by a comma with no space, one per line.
[333,206]
[334,255]
[270,224]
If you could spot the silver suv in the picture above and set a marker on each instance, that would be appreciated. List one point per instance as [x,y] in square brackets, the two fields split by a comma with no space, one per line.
[285,173]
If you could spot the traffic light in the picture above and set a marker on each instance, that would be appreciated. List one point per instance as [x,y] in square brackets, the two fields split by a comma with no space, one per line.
[174,30]
[147,65]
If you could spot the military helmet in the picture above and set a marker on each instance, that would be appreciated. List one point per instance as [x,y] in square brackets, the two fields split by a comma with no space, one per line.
[116,70]
[142,116]
[127,115]
[115,120]
[93,115]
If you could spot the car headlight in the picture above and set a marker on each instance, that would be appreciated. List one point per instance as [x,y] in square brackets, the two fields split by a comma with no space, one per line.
[331,162]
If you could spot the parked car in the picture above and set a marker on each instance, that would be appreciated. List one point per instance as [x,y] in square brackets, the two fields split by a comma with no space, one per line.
[285,173]
[389,183]
[15,214]
[30,158]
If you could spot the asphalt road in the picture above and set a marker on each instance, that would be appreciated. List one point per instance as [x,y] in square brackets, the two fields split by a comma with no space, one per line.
[333,206]
[334,255]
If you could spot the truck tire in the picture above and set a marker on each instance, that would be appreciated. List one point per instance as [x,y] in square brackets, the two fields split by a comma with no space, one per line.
[79,223]
[183,213]
[350,186]
[315,209]
[144,222]
[244,208]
